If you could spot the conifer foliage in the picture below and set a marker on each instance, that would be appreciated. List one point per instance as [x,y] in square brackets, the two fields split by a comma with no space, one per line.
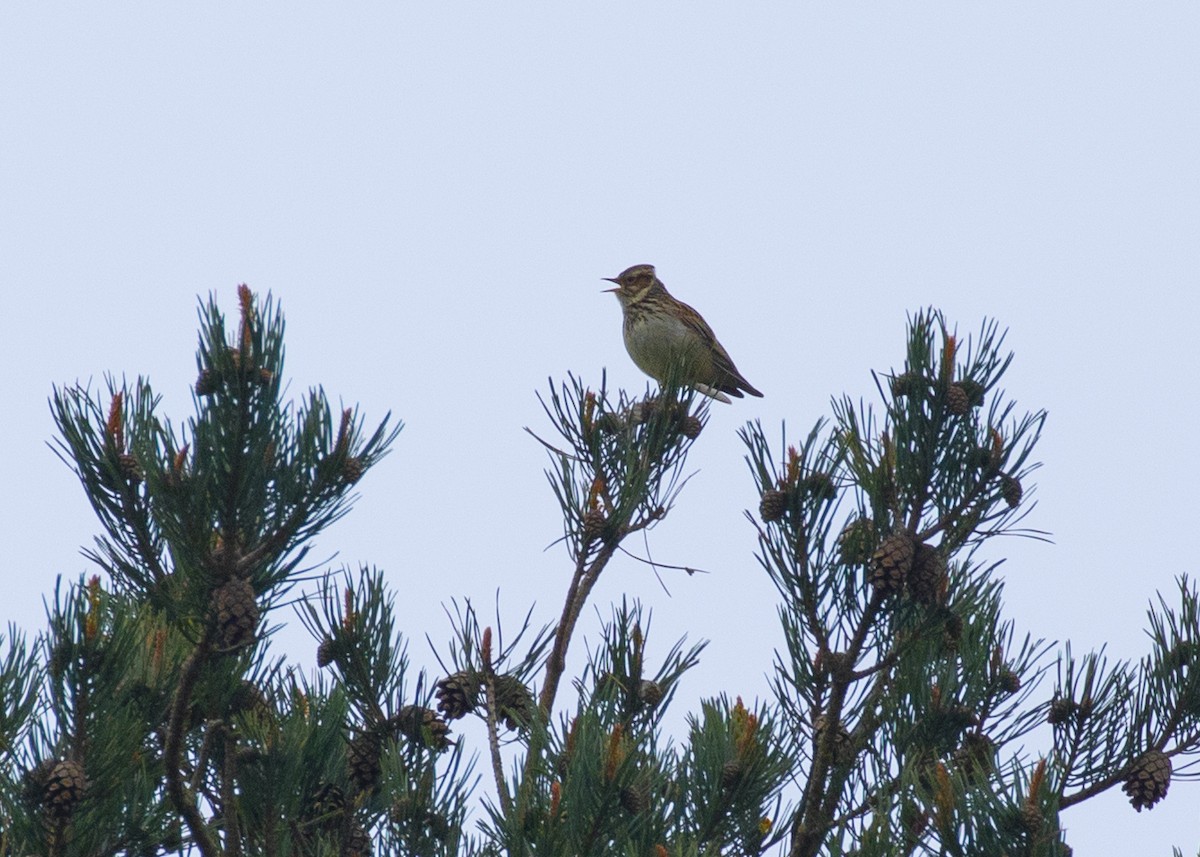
[907,715]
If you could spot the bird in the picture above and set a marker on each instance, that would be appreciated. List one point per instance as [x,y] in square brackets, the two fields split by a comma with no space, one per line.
[667,338]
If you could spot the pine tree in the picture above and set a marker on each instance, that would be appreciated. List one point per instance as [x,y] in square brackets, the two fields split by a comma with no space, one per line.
[907,715]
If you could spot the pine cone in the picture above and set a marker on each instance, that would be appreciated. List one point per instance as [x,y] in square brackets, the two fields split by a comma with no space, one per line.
[690,427]
[980,458]
[457,694]
[325,807]
[358,842]
[976,756]
[514,701]
[1148,779]
[64,788]
[250,700]
[952,630]
[1011,490]
[421,725]
[352,469]
[1032,818]
[1061,710]
[915,821]
[643,411]
[892,562]
[362,760]
[907,384]
[594,522]
[774,505]
[206,383]
[635,799]
[1010,682]
[957,400]
[974,391]
[857,541]
[928,577]
[326,653]
[650,693]
[131,468]
[819,486]
[236,613]
[731,774]
[837,665]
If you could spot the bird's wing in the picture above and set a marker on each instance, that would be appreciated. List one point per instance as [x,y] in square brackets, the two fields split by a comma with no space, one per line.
[728,377]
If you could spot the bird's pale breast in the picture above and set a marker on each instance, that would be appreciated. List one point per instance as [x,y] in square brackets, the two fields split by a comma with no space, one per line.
[656,341]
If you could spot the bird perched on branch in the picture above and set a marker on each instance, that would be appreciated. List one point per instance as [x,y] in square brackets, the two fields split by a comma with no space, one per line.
[668,339]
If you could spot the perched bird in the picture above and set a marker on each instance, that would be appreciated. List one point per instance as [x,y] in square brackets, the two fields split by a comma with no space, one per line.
[667,338]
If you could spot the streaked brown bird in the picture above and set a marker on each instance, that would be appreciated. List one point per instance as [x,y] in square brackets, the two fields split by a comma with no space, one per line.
[666,337]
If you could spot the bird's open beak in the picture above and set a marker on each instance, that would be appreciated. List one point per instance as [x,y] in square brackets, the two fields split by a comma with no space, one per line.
[612,280]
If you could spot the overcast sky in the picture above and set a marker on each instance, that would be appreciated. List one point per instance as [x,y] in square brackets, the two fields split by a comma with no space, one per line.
[434,191]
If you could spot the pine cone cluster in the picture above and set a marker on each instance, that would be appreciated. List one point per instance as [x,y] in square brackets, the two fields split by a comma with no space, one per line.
[1148,779]
[892,562]
[236,613]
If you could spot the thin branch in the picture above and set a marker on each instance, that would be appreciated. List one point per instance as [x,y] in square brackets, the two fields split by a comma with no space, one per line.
[173,750]
[489,684]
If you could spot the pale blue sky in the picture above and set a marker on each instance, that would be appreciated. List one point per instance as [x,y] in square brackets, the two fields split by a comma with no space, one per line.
[434,191]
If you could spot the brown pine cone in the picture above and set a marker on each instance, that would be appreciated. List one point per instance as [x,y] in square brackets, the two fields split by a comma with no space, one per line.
[1148,779]
[458,694]
[236,613]
[892,562]
[63,790]
[363,760]
[514,701]
[774,505]
[421,725]
[1011,490]
[928,577]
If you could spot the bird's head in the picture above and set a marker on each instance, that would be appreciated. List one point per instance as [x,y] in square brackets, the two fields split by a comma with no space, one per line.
[633,283]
